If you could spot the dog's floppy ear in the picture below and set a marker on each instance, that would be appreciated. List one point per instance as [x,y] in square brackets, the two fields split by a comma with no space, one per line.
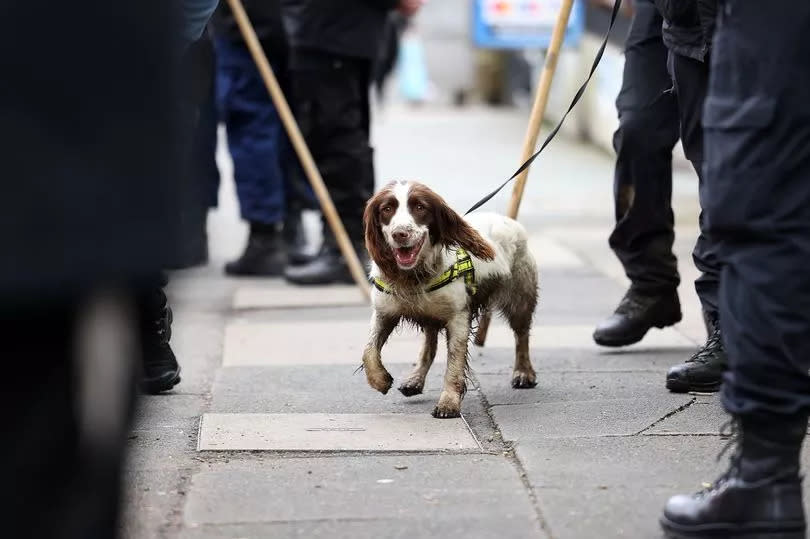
[378,249]
[452,229]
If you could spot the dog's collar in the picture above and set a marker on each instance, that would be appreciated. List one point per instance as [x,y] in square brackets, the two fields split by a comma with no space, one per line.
[461,268]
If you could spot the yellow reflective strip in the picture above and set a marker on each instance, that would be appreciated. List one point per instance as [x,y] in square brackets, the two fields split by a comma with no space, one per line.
[381,285]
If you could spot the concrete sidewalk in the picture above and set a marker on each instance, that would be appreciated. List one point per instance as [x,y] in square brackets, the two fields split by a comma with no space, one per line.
[272,433]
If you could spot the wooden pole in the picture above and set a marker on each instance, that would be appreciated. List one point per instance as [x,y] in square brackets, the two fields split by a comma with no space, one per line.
[297,140]
[533,130]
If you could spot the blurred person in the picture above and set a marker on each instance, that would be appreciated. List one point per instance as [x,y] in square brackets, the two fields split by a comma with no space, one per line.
[88,215]
[651,118]
[644,231]
[160,370]
[204,153]
[757,204]
[689,43]
[264,164]
[332,48]
[387,59]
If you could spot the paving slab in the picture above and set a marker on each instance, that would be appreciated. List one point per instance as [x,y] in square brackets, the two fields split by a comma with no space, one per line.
[574,386]
[162,449]
[595,297]
[166,411]
[334,432]
[462,525]
[279,296]
[499,360]
[351,494]
[312,343]
[307,389]
[615,486]
[580,336]
[529,423]
[150,501]
[551,254]
[705,418]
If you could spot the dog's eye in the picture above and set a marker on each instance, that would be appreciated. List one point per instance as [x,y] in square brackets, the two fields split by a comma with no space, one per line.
[420,207]
[387,209]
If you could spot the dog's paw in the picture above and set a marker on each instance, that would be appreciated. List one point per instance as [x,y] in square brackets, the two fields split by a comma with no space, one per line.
[412,386]
[524,379]
[380,380]
[449,406]
[446,413]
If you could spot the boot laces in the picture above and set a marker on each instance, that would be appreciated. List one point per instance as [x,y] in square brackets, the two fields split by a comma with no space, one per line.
[705,354]
[730,429]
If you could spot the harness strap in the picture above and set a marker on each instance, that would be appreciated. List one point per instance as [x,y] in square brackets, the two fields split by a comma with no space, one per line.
[461,268]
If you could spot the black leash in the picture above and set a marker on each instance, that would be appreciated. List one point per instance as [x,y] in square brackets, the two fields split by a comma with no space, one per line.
[616,6]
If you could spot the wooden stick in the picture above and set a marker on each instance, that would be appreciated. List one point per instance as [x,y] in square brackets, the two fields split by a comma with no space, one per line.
[533,130]
[301,148]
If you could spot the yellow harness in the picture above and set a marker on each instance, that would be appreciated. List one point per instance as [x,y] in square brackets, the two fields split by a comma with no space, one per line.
[461,268]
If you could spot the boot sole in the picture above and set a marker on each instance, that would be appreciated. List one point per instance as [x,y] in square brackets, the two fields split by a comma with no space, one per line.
[679,386]
[265,272]
[343,279]
[159,385]
[627,341]
[750,530]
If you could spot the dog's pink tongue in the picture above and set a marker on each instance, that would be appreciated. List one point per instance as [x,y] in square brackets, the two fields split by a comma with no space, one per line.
[405,257]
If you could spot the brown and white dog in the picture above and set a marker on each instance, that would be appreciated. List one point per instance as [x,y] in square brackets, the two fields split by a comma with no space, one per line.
[413,237]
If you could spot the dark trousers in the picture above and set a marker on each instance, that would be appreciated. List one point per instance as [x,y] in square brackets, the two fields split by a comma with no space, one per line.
[331,96]
[203,159]
[690,79]
[648,130]
[757,130]
[661,99]
[256,137]
[66,426]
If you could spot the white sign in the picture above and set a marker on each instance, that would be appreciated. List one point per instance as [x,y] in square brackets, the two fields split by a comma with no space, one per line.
[520,12]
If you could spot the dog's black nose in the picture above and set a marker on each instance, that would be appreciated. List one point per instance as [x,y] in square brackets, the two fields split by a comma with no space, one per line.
[400,237]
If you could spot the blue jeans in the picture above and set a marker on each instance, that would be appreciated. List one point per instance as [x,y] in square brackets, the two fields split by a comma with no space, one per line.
[256,138]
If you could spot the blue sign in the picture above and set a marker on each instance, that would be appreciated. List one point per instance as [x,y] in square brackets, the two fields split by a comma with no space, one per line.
[523,24]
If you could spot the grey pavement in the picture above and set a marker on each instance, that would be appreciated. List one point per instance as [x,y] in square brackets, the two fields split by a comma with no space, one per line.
[273,434]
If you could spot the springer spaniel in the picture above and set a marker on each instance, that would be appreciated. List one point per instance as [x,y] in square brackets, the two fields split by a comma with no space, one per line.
[438,271]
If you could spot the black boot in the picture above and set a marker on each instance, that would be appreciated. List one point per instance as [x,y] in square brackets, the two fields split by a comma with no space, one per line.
[636,314]
[161,372]
[295,240]
[264,254]
[704,370]
[759,497]
[328,267]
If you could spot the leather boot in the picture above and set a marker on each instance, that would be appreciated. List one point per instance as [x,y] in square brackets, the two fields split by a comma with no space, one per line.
[160,372]
[703,371]
[264,254]
[636,314]
[328,267]
[295,240]
[759,497]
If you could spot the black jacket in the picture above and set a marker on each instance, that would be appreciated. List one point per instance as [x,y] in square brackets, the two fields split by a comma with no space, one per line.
[265,15]
[89,191]
[352,28]
[688,26]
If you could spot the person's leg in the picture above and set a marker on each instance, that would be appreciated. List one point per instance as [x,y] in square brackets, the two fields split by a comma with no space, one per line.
[69,422]
[757,128]
[204,165]
[255,140]
[161,371]
[643,236]
[197,76]
[334,114]
[298,191]
[704,370]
